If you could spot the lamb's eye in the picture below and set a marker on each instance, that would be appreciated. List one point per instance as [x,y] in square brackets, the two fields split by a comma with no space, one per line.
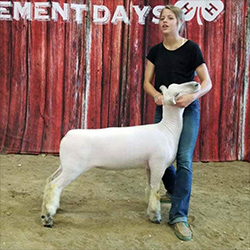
[176,95]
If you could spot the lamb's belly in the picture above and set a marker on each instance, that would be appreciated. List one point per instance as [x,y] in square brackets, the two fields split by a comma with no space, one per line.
[121,151]
[120,166]
[119,162]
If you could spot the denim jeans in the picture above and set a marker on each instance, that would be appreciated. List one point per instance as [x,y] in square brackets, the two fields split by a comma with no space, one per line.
[178,182]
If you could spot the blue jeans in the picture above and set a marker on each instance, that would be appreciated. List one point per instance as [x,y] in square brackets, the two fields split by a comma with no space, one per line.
[178,182]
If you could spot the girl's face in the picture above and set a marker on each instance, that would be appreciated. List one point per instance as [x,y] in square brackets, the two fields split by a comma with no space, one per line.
[168,23]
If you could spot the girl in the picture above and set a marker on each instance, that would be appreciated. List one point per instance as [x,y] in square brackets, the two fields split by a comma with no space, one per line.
[175,60]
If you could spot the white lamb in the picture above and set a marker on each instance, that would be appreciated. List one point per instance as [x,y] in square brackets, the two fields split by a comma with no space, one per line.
[151,146]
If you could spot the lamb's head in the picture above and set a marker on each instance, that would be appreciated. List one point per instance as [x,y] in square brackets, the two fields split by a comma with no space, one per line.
[174,91]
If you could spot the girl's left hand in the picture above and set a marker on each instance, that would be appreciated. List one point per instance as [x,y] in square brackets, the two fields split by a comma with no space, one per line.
[185,100]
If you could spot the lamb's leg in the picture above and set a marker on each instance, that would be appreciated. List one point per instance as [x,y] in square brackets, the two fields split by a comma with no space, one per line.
[154,206]
[147,190]
[54,186]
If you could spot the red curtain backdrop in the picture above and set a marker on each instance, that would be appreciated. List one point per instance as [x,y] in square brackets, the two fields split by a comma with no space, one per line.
[58,75]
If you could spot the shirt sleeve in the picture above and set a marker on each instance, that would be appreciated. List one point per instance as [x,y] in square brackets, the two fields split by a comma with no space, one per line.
[151,56]
[197,57]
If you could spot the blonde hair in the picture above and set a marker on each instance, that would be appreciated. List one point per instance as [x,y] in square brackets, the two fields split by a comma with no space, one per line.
[178,14]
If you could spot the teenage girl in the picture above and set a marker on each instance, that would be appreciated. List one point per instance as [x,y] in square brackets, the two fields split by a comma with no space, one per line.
[177,60]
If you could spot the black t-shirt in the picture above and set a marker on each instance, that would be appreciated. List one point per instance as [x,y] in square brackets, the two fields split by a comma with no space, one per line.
[175,66]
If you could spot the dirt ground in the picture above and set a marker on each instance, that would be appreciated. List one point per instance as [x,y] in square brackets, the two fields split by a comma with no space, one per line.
[107,209]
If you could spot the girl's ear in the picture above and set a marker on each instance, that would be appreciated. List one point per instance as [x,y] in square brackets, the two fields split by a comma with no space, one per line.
[181,25]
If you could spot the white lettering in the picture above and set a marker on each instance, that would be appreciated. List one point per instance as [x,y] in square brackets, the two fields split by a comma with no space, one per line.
[79,8]
[25,11]
[101,20]
[120,15]
[4,13]
[41,13]
[157,11]
[56,8]
[142,14]
[46,11]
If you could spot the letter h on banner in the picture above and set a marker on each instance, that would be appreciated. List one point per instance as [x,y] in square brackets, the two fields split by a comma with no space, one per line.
[209,9]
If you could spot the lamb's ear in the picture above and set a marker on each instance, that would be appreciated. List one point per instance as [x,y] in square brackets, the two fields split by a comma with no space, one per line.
[163,89]
[173,101]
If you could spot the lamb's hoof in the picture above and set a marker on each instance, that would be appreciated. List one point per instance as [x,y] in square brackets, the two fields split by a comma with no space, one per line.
[48,225]
[155,217]
[47,221]
[157,221]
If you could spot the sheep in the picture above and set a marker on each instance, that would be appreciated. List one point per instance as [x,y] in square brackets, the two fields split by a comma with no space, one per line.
[152,146]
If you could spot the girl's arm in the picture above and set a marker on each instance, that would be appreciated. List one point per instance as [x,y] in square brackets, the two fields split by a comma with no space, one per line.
[206,85]
[148,87]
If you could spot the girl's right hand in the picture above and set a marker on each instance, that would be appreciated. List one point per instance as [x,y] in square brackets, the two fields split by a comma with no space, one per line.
[158,99]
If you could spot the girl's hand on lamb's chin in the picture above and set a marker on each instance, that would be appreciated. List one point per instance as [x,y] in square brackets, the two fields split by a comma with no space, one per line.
[185,100]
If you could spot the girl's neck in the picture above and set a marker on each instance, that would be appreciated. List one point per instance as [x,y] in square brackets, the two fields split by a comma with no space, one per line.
[173,42]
